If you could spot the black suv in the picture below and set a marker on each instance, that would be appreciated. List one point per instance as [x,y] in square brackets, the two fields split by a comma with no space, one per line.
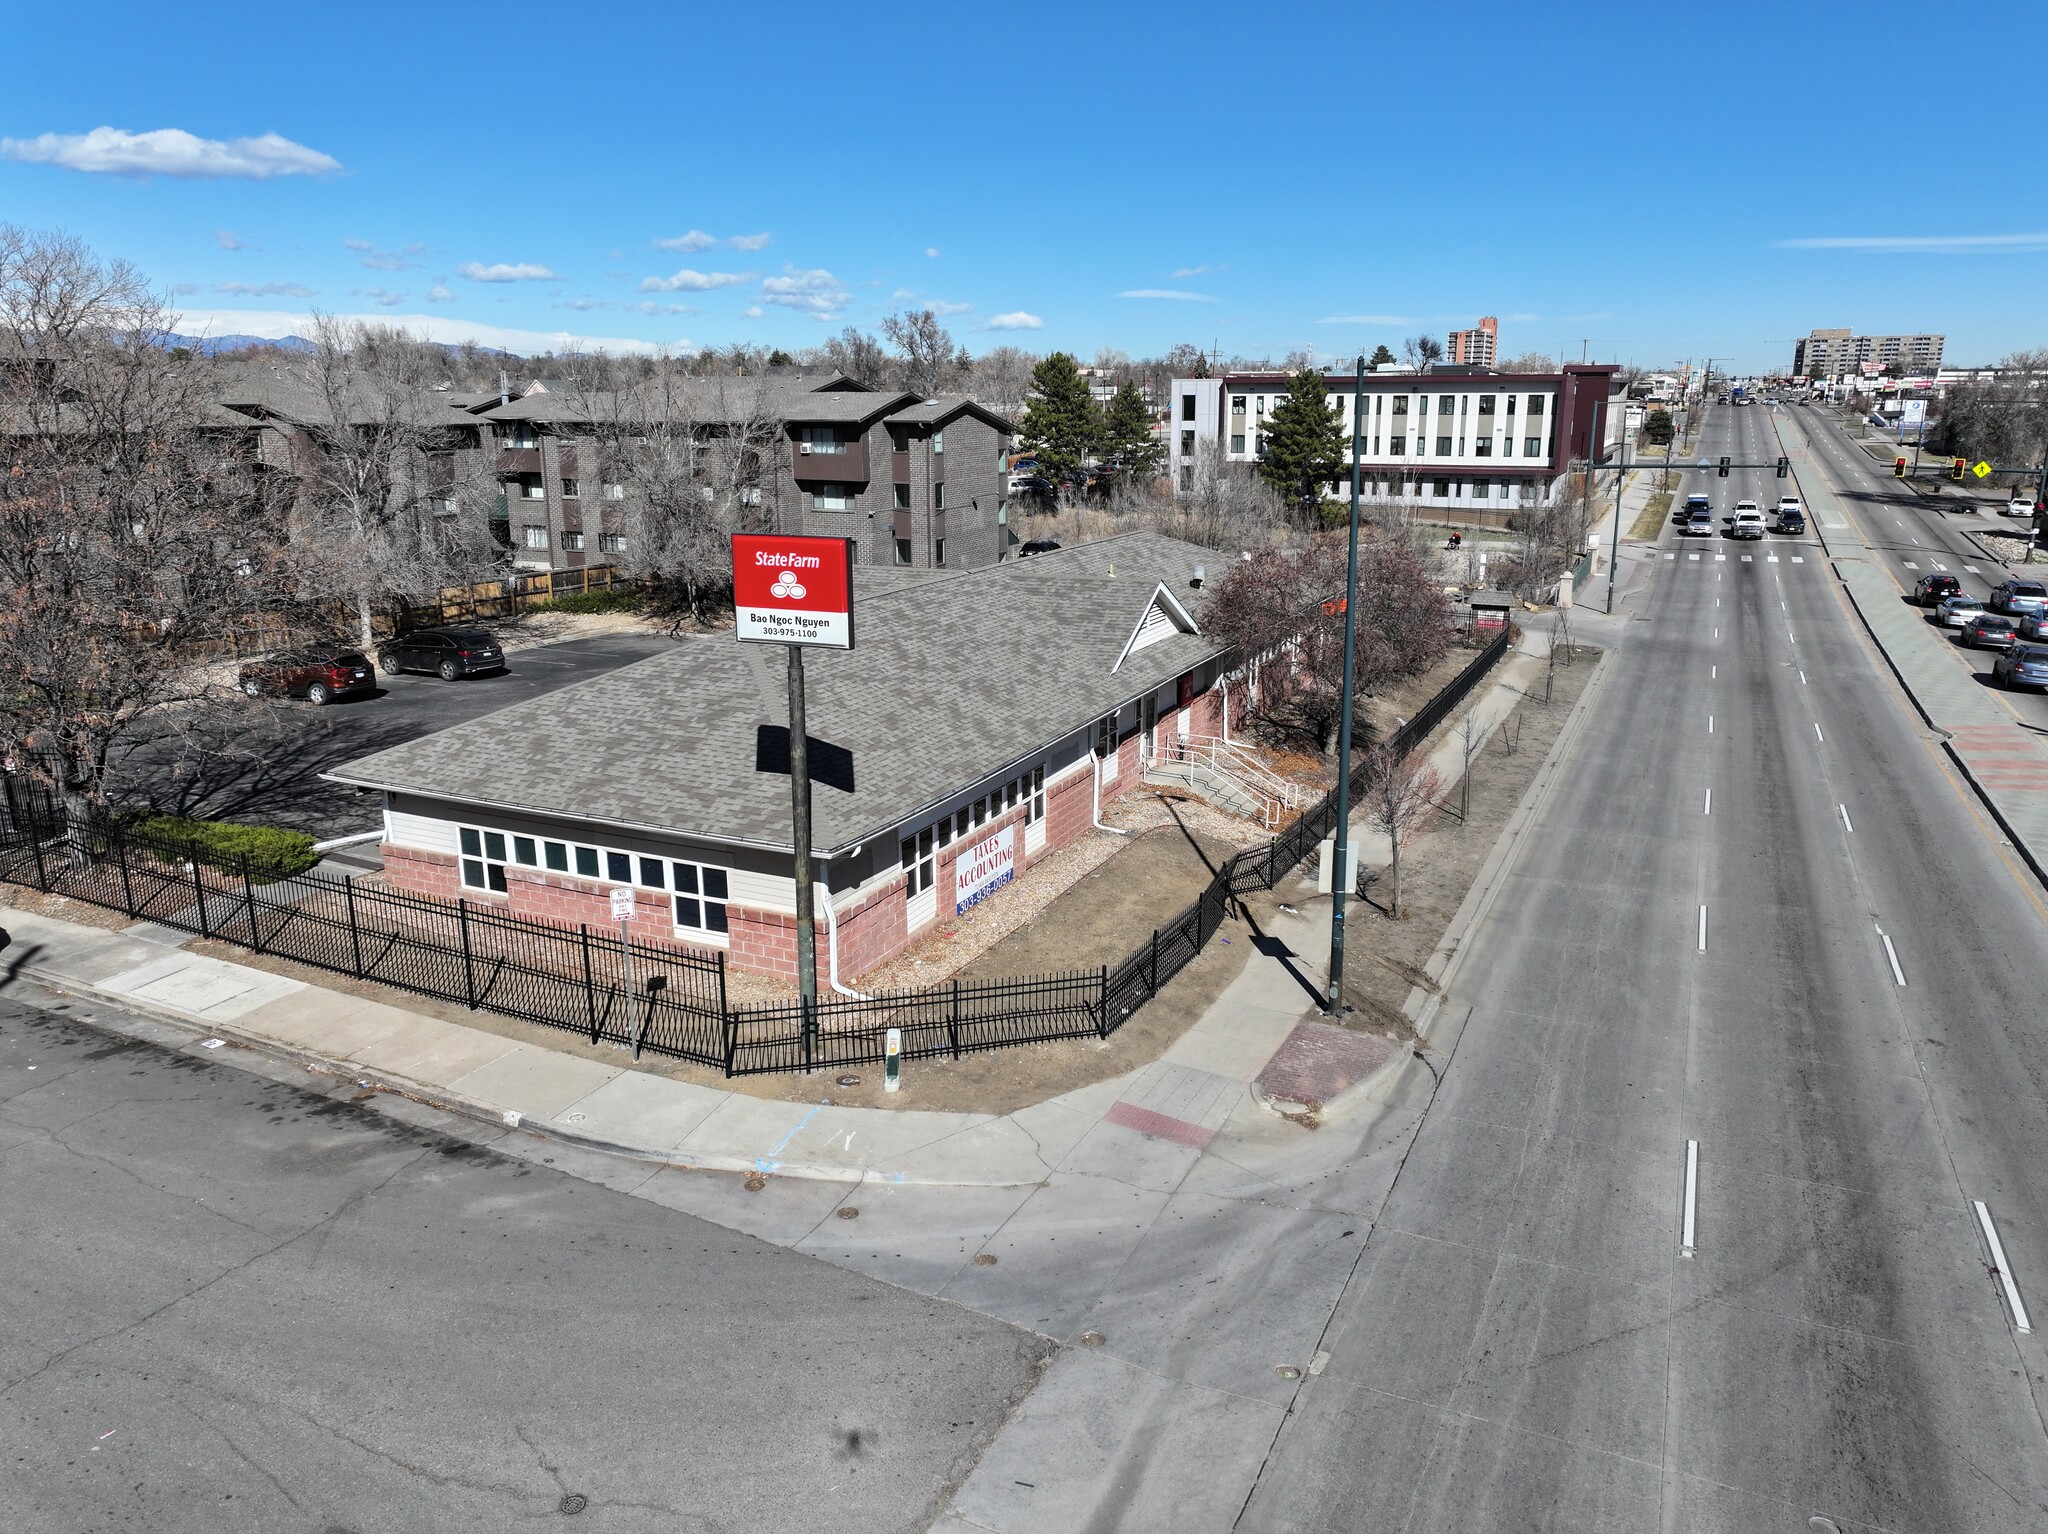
[1933,590]
[448,653]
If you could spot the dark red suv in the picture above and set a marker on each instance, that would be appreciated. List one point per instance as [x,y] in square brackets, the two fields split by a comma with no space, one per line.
[317,673]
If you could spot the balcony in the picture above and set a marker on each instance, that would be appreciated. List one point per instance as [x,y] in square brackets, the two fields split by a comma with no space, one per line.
[848,465]
[518,460]
[899,468]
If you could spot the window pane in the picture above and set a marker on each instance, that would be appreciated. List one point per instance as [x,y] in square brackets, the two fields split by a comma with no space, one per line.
[651,873]
[557,856]
[494,845]
[586,862]
[618,867]
[909,853]
[473,873]
[497,876]
[1010,797]
[924,843]
[714,883]
[688,912]
[714,917]
[472,842]
[686,878]
[524,851]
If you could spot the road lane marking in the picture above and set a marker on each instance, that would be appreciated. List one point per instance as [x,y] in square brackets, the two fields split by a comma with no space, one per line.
[1717,633]
[1710,724]
[1671,556]
[1941,567]
[1972,569]
[1798,559]
[1703,929]
[1720,559]
[1692,1188]
[1817,734]
[1892,954]
[2020,1322]
[1710,803]
[1802,679]
[1745,559]
[1845,819]
[1770,559]
[1909,564]
[1713,672]
[1694,558]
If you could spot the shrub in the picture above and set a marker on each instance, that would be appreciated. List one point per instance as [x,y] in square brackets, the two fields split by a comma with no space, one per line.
[610,601]
[273,853]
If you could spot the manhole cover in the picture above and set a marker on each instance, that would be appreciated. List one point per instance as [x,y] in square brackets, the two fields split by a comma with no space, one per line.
[573,1504]
[755,1182]
[848,1080]
[848,1212]
[984,1259]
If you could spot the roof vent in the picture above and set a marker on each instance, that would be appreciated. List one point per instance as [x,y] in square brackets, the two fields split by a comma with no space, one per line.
[1201,575]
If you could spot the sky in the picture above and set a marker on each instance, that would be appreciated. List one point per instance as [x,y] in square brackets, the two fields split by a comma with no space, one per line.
[1623,182]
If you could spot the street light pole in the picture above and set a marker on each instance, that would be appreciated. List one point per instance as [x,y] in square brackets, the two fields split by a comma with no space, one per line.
[1341,844]
[1620,478]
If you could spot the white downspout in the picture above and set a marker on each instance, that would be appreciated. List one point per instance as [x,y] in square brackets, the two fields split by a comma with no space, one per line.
[823,888]
[1225,685]
[1095,811]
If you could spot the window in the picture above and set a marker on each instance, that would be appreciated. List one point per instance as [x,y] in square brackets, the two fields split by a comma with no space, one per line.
[1397,446]
[1237,442]
[1441,487]
[532,488]
[1482,489]
[939,496]
[820,439]
[1237,404]
[1486,404]
[1507,445]
[699,893]
[571,489]
[833,498]
[938,551]
[918,862]
[1535,404]
[1443,447]
[614,491]
[1532,447]
[572,540]
[1259,404]
[1483,447]
[536,537]
[1105,735]
[1400,404]
[1379,404]
[1511,404]
[1187,407]
[1187,444]
[938,442]
[902,551]
[611,543]
[586,862]
[483,860]
[1444,404]
[902,497]
[523,437]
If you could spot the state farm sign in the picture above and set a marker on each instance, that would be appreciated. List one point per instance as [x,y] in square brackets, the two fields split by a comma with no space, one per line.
[790,590]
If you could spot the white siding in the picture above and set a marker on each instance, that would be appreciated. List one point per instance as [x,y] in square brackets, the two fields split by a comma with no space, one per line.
[1158,625]
[425,832]
[762,892]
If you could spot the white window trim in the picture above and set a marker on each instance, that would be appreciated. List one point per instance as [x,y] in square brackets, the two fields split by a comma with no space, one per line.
[540,846]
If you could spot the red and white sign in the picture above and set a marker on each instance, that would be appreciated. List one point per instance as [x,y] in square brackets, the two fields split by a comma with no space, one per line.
[792,590]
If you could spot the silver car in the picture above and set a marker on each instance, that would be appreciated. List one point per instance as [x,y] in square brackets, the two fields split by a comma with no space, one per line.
[1955,611]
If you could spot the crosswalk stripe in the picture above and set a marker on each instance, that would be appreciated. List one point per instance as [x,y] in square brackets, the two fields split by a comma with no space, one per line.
[1971,568]
[1671,556]
[1770,559]
[1941,567]
[1720,559]
[1745,559]
[1798,559]
[1694,558]
[1909,564]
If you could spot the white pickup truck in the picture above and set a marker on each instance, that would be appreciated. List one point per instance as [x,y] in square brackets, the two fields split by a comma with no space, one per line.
[1747,522]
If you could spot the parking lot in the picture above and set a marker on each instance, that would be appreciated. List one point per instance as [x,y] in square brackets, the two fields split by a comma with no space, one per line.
[265,766]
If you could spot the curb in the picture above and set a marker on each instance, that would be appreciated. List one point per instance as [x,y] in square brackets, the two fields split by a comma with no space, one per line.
[2012,835]
[449,1101]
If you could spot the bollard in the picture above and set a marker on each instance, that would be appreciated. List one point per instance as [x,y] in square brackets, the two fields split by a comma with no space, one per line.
[892,1060]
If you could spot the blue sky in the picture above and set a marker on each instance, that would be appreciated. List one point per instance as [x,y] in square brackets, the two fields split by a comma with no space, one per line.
[1629,178]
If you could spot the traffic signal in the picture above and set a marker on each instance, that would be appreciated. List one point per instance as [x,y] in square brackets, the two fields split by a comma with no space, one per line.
[1784,467]
[1898,468]
[1724,469]
[1955,469]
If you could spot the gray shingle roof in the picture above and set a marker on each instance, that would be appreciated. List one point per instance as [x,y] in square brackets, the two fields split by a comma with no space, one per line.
[956,679]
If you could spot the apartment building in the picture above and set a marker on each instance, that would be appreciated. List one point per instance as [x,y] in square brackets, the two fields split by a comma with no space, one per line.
[1831,353]
[1477,347]
[1452,436]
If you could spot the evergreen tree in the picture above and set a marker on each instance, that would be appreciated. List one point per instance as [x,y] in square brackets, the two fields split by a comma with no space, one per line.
[1380,356]
[1128,440]
[1061,425]
[1305,442]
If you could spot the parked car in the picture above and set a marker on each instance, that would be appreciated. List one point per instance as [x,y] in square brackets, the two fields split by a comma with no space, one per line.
[2016,597]
[1987,631]
[317,673]
[1953,612]
[447,653]
[1037,546]
[1933,590]
[2021,666]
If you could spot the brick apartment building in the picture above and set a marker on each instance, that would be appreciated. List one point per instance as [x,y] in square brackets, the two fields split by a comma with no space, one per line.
[989,714]
[1452,436]
[1831,353]
[1478,347]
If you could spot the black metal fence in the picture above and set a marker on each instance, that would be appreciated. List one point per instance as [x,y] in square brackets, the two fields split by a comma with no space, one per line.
[661,997]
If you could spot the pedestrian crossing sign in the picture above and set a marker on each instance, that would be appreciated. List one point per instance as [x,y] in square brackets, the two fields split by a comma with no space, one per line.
[1980,468]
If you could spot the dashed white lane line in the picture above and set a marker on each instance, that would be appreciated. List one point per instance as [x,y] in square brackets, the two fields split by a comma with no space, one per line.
[1972,569]
[1713,673]
[1692,1187]
[2001,1267]
[1892,956]
[1710,724]
[1817,734]
[1845,819]
[1703,929]
[1802,679]
[1915,542]
[1941,567]
[1710,803]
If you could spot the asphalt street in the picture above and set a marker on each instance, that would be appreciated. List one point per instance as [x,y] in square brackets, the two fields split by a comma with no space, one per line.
[235,1304]
[263,765]
[1758,916]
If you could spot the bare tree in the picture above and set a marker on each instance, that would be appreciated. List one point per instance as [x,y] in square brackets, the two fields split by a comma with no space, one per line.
[1421,351]
[858,355]
[135,535]
[1002,378]
[1529,362]
[1400,791]
[926,361]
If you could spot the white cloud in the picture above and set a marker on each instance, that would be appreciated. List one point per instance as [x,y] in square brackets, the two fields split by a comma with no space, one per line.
[1199,271]
[932,251]
[506,271]
[229,240]
[687,281]
[1174,293]
[1363,319]
[690,243]
[941,308]
[755,311]
[900,292]
[170,152]
[264,289]
[385,299]
[750,241]
[1015,320]
[440,293]
[580,305]
[815,292]
[385,260]
[1927,244]
[181,289]
[275,324]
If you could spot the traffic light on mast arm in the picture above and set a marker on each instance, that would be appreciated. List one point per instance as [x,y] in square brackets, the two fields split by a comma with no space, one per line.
[1898,468]
[1784,467]
[1723,472]
[1955,469]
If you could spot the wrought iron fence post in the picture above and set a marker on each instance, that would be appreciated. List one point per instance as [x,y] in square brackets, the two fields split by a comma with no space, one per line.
[1102,1004]
[468,961]
[589,985]
[806,1024]
[35,842]
[355,933]
[953,1027]
[249,903]
[199,889]
[121,861]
